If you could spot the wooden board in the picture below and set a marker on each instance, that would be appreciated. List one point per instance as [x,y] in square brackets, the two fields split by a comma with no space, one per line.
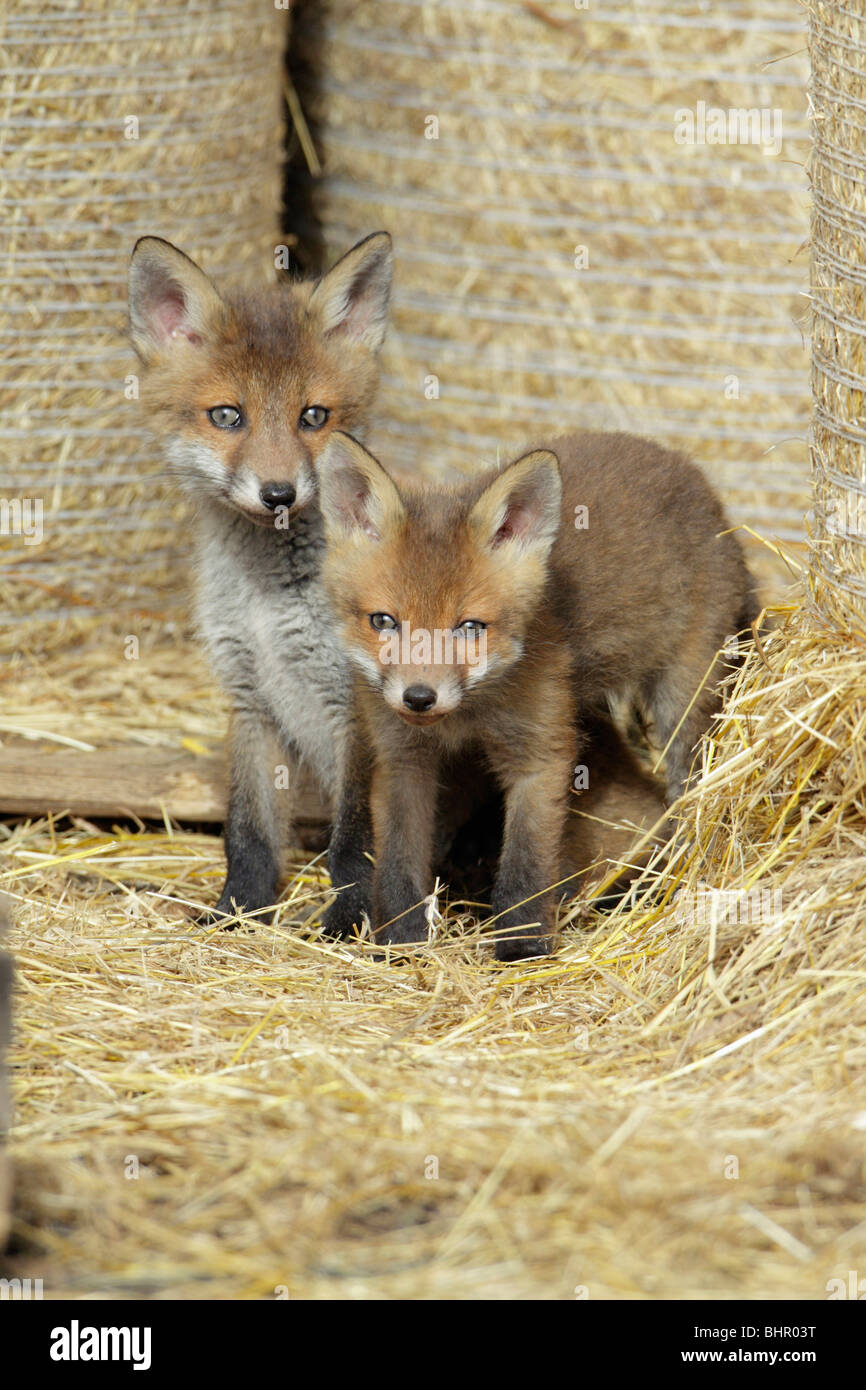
[130,781]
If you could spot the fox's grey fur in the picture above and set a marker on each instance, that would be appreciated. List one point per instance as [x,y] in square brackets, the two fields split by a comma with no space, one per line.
[267,625]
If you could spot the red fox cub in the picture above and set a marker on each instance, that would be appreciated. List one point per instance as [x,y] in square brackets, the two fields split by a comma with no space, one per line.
[488,622]
[243,391]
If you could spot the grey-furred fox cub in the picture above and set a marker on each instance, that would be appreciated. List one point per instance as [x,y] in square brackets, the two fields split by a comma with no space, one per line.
[489,622]
[245,391]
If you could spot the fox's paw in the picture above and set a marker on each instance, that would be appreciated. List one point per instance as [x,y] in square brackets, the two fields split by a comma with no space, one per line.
[516,940]
[346,913]
[523,947]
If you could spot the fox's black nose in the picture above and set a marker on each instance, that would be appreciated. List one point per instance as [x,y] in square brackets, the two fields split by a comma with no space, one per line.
[419,698]
[277,495]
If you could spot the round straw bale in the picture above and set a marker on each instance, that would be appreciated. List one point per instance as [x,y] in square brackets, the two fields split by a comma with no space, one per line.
[119,118]
[838,167]
[565,256]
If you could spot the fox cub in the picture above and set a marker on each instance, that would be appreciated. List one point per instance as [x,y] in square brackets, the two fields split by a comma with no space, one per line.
[487,624]
[244,391]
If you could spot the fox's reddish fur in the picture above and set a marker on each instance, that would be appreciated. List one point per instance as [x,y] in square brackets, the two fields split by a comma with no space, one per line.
[268,360]
[275,351]
[641,600]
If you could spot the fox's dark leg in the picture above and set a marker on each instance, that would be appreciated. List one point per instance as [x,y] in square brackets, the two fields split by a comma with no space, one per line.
[351,847]
[537,779]
[523,901]
[405,793]
[252,829]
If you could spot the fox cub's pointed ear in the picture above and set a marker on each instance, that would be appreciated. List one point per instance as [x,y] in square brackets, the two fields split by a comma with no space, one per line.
[356,495]
[170,299]
[352,298]
[523,506]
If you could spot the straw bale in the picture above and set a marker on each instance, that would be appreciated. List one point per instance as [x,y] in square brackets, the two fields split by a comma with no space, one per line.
[683,318]
[118,119]
[838,172]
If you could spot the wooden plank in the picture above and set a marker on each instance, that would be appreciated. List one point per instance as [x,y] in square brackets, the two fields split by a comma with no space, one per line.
[129,780]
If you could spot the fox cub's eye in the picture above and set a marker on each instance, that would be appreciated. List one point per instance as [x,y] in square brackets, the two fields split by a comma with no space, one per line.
[225,417]
[314,417]
[382,621]
[471,626]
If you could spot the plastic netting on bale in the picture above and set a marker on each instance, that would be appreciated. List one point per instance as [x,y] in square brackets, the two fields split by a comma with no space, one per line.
[600,219]
[118,119]
[838,170]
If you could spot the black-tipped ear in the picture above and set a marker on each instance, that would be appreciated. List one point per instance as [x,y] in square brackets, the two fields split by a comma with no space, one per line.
[170,299]
[523,506]
[356,495]
[352,299]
